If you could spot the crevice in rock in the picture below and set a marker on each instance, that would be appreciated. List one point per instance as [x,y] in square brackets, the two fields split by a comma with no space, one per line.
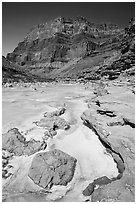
[105,143]
[106,112]
[118,159]
[98,103]
[128,122]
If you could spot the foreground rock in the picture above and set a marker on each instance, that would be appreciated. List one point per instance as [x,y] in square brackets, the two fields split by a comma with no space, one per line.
[92,123]
[52,168]
[15,143]
[114,114]
[100,181]
[55,113]
[52,122]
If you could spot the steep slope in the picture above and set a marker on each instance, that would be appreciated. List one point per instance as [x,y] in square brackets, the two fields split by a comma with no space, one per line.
[66,49]
[12,72]
[123,62]
[52,45]
[114,57]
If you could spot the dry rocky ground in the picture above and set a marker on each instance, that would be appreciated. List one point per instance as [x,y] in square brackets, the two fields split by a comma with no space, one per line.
[68,113]
[69,142]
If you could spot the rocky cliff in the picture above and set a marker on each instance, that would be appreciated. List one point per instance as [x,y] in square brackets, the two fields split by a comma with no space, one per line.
[12,72]
[65,47]
[124,60]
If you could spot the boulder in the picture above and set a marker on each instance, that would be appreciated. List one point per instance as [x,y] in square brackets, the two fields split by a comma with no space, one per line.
[100,91]
[55,113]
[102,181]
[14,142]
[60,123]
[45,122]
[52,168]
[99,181]
[53,121]
[49,134]
[89,189]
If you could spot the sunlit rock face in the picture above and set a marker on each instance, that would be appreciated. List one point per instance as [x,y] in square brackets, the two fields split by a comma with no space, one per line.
[78,50]
[62,39]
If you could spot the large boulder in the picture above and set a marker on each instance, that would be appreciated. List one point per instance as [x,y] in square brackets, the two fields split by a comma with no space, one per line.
[52,168]
[14,142]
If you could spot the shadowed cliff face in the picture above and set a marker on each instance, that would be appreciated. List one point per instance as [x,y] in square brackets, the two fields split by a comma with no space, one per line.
[64,47]
[11,72]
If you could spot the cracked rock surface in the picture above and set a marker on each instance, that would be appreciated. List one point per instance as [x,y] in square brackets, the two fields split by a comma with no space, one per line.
[52,168]
[121,140]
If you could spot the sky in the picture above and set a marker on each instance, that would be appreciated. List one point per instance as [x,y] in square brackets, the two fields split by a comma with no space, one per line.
[19,17]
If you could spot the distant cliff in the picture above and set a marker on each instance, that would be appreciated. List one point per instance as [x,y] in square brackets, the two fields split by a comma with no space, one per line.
[56,49]
[61,40]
